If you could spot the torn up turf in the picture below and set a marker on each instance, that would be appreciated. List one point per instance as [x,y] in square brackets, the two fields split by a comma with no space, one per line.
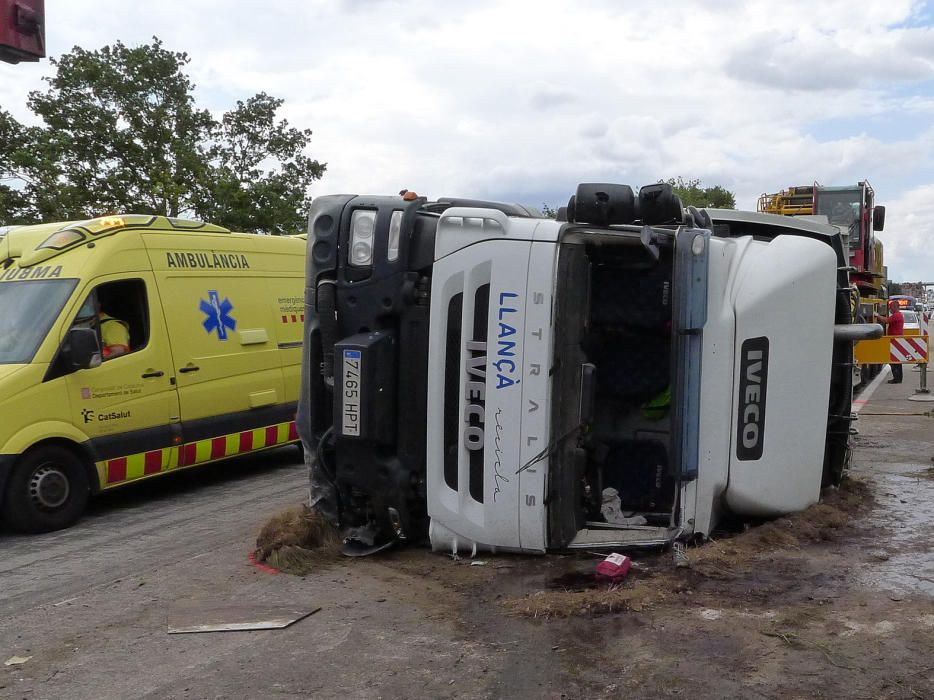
[821,522]
[552,604]
[297,541]
[732,557]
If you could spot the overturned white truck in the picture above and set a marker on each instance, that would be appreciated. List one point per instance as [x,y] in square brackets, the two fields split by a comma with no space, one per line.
[485,378]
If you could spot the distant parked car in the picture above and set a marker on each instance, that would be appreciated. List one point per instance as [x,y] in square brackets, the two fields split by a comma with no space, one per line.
[912,323]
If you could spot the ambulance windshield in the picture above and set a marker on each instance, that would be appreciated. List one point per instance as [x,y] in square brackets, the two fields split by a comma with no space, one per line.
[27,311]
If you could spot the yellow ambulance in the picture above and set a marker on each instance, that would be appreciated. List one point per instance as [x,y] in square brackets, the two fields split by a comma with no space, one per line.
[208,365]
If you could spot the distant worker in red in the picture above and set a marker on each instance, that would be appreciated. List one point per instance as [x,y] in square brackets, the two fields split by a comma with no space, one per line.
[895,326]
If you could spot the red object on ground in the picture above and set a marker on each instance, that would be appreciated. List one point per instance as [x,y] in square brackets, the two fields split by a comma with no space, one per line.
[614,567]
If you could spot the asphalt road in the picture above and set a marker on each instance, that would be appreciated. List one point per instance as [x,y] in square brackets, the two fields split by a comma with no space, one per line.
[89,607]
[146,527]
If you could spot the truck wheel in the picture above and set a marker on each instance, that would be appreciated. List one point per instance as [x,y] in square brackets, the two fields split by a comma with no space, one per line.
[836,462]
[48,490]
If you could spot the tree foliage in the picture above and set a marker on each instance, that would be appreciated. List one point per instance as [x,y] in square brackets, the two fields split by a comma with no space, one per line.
[261,173]
[692,194]
[121,132]
[13,200]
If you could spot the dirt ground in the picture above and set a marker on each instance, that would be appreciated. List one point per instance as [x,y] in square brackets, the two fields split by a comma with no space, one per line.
[834,602]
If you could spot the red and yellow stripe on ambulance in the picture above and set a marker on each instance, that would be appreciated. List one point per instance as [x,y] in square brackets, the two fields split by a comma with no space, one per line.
[120,470]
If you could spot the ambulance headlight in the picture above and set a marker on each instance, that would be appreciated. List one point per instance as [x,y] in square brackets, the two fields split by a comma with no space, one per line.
[395,232]
[362,227]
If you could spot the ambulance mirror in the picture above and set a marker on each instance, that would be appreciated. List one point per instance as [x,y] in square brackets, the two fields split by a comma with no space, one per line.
[83,348]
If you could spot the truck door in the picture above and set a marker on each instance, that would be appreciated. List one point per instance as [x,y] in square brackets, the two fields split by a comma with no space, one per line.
[128,405]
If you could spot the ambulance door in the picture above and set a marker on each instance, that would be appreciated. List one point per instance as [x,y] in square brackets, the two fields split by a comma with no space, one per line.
[288,300]
[225,351]
[127,406]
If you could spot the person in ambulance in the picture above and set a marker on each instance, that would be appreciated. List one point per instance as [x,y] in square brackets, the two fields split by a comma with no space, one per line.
[115,335]
[114,332]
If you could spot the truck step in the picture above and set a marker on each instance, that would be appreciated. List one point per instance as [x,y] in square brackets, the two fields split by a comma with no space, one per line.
[634,536]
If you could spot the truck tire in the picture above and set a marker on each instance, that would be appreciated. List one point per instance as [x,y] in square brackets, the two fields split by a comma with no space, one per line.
[48,490]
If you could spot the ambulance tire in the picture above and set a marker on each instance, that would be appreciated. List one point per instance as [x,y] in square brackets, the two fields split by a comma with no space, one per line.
[48,490]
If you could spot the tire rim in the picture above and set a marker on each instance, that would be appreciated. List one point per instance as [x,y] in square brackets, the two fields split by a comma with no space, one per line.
[49,487]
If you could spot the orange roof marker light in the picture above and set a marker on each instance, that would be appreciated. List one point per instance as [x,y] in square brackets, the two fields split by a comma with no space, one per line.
[62,239]
[112,222]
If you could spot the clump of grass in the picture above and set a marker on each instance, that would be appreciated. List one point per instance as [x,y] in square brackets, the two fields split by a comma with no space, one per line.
[297,541]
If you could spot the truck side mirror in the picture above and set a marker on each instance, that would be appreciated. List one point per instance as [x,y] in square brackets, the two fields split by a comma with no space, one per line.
[878,218]
[83,349]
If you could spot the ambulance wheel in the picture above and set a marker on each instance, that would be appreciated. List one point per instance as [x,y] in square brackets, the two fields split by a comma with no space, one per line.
[47,491]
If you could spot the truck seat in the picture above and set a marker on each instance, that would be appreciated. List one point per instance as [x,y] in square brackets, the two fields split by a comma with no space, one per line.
[631,365]
[640,298]
[638,470]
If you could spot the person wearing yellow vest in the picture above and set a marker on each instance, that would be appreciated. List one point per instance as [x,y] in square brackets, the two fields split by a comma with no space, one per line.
[115,336]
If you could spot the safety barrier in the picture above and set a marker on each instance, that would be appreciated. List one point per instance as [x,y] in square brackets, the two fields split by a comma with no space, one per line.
[898,350]
[892,350]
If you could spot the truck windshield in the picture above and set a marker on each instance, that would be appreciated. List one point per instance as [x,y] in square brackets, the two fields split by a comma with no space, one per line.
[27,311]
[842,209]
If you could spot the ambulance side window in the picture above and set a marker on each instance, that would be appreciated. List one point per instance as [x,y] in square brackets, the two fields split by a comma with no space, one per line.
[125,302]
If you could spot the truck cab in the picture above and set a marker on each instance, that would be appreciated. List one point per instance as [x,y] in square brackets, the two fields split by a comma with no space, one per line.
[486,379]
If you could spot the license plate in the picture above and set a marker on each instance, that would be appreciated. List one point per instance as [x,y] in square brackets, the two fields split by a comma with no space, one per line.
[351,386]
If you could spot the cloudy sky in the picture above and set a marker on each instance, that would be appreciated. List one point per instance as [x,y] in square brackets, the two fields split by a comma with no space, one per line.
[521,100]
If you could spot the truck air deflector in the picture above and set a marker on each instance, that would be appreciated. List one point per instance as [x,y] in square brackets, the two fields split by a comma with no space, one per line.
[690,314]
[461,226]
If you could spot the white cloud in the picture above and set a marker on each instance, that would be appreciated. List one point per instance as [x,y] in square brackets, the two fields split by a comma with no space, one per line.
[908,235]
[501,98]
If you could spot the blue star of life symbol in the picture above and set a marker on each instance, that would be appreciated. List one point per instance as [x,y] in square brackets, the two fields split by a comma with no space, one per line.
[218,315]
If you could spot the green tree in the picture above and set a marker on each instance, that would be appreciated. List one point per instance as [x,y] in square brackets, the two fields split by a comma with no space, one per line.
[14,202]
[122,133]
[693,195]
[549,211]
[261,175]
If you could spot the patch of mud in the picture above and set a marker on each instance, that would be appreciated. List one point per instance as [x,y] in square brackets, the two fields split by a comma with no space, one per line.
[585,603]
[904,512]
[763,557]
[297,541]
[822,522]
